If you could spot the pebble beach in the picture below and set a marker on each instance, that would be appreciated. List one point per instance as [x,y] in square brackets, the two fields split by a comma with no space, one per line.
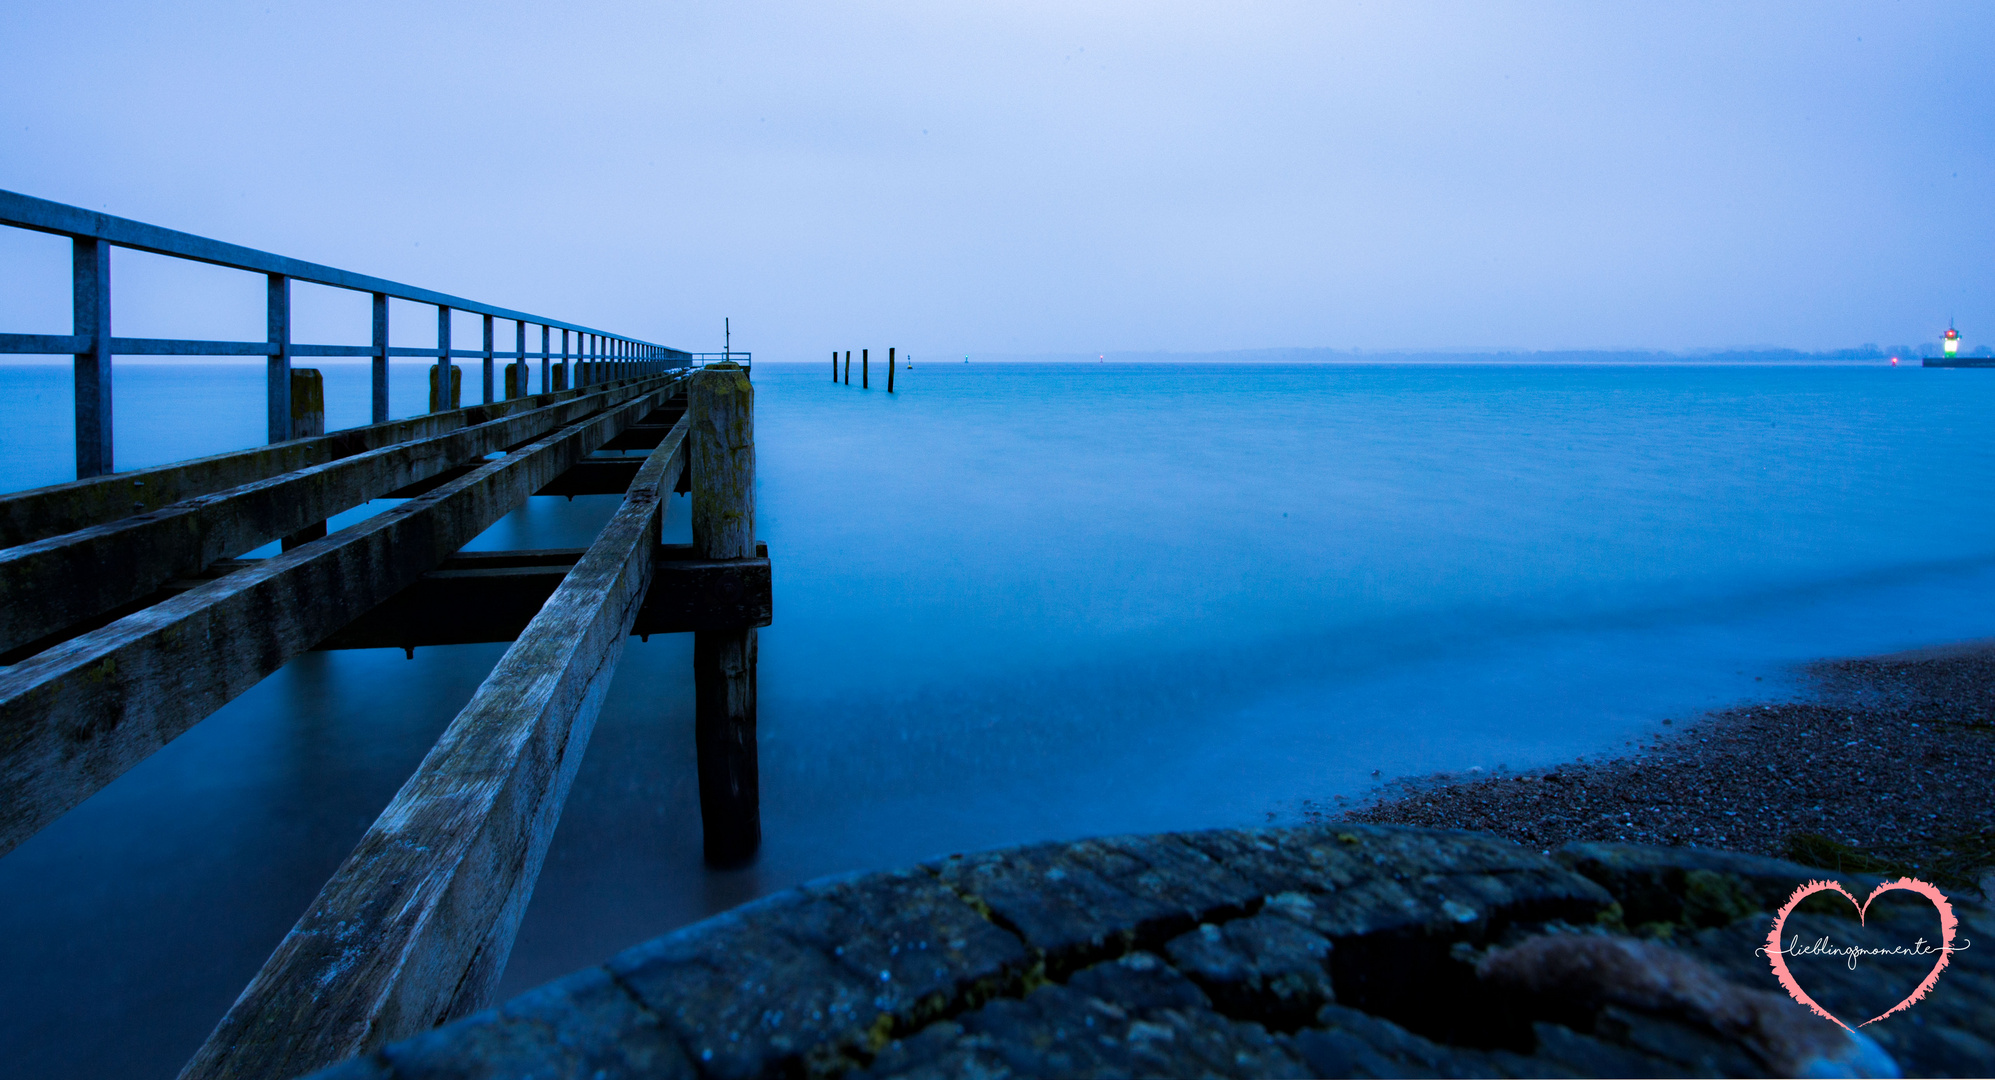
[1885,766]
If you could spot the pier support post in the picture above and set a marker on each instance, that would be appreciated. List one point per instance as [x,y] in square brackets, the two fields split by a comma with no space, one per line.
[720,403]
[439,401]
[834,365]
[865,371]
[308,420]
[848,367]
[890,370]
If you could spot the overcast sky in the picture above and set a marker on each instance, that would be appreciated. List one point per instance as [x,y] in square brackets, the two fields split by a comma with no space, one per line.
[1059,177]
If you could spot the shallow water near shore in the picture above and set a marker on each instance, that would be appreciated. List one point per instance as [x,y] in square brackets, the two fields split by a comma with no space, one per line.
[1017,603]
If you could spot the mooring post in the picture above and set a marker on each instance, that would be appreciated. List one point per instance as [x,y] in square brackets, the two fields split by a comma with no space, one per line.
[834,365]
[848,367]
[890,369]
[308,420]
[720,403]
[865,376]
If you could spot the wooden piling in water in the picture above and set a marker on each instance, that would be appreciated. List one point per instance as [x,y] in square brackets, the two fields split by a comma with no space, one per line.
[890,370]
[865,377]
[834,365]
[721,447]
[848,367]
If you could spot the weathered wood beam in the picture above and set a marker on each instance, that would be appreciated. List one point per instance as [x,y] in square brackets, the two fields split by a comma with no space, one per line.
[54,583]
[39,513]
[492,596]
[77,716]
[415,928]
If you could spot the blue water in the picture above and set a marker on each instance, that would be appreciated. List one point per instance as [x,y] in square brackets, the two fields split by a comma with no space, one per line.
[1018,603]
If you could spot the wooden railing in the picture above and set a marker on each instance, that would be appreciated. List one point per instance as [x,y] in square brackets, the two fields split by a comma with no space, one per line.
[598,355]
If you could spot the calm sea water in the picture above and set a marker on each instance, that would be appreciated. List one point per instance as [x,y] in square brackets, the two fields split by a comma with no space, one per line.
[1020,603]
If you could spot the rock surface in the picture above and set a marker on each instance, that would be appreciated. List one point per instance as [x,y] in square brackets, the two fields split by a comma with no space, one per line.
[1340,950]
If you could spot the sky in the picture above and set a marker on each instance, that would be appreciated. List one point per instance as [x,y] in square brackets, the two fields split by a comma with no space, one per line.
[1025,178]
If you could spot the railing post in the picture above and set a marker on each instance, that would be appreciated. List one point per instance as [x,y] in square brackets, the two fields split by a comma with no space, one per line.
[90,266]
[720,404]
[443,377]
[380,362]
[488,360]
[567,379]
[278,371]
[546,362]
[520,386]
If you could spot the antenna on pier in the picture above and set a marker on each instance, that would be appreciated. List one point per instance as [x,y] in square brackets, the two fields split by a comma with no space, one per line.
[726,338]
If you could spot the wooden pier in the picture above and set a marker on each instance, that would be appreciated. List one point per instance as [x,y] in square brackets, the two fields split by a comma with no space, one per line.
[128,614]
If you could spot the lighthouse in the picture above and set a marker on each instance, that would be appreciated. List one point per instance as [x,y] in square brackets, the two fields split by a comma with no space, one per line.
[1952,345]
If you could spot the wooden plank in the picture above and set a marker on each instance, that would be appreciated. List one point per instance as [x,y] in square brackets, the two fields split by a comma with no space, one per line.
[75,717]
[54,583]
[415,928]
[39,513]
[492,596]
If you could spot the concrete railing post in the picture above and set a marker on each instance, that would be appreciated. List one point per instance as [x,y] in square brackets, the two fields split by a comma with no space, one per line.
[720,403]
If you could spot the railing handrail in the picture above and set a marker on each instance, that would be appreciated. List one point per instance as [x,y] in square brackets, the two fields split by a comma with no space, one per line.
[42,215]
[92,235]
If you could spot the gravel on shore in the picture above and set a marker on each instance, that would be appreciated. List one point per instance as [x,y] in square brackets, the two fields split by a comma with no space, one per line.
[1888,767]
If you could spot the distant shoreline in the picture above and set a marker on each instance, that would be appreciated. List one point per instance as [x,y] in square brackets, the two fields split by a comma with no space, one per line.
[1247,357]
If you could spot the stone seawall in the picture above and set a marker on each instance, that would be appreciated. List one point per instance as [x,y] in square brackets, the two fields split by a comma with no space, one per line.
[1338,950]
